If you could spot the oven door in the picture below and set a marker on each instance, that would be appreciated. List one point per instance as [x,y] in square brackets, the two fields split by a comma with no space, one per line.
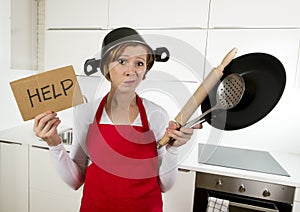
[242,194]
[243,204]
[237,203]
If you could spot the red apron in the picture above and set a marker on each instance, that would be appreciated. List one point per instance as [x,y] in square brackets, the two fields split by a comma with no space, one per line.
[123,175]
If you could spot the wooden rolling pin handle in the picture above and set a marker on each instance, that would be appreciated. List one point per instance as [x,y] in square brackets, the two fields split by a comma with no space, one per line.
[228,58]
[199,95]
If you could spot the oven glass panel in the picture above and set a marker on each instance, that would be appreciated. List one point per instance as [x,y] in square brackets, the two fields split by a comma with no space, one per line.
[238,203]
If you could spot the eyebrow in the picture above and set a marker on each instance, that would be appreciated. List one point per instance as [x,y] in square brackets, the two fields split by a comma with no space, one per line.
[125,55]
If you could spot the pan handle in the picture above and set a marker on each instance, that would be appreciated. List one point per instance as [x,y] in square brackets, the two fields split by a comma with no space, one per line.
[200,119]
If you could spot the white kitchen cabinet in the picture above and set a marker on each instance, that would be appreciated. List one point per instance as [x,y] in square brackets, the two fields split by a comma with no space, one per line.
[158,14]
[281,43]
[254,14]
[71,47]
[187,54]
[76,14]
[13,177]
[48,192]
[296,206]
[181,196]
[297,79]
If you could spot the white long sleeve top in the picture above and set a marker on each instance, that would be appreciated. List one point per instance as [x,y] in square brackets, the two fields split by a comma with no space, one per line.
[71,167]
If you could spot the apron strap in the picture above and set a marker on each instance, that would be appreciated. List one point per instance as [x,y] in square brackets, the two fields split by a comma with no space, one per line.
[143,114]
[100,109]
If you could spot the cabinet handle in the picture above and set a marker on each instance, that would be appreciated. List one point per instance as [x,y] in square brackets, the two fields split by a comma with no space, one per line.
[9,142]
[45,148]
[40,147]
[183,170]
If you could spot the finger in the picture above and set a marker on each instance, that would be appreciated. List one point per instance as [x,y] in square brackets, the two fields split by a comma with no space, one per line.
[39,117]
[180,134]
[180,141]
[197,126]
[52,137]
[50,125]
[173,125]
[50,130]
[188,131]
[43,121]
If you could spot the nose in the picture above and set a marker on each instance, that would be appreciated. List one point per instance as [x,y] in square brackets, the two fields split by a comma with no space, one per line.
[130,69]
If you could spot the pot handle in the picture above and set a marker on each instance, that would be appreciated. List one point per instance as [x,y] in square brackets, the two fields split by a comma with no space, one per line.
[91,66]
[161,54]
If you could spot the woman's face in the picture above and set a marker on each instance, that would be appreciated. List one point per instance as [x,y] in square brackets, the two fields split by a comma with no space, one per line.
[129,69]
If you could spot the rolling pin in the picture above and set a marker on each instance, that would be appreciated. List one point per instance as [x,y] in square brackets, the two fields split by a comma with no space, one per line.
[199,95]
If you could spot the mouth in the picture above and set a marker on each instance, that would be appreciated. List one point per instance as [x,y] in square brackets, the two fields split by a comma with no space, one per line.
[129,82]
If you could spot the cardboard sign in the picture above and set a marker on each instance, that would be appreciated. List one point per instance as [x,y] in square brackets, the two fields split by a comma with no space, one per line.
[53,90]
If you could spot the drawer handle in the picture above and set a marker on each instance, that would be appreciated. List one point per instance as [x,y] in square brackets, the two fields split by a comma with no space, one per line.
[8,142]
[40,147]
[183,170]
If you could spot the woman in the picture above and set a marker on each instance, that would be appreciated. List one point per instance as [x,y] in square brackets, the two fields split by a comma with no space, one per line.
[127,172]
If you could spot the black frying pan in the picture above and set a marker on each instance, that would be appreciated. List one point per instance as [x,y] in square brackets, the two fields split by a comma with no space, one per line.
[265,79]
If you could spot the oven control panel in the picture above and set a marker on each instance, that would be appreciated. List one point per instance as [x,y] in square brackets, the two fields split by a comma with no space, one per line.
[245,187]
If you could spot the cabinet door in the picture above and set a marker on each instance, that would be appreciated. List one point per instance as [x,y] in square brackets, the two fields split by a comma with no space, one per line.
[13,177]
[76,14]
[255,13]
[187,50]
[181,196]
[296,206]
[158,14]
[297,83]
[71,47]
[281,43]
[48,192]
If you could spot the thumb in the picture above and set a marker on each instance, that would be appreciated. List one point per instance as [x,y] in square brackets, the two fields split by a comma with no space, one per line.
[173,125]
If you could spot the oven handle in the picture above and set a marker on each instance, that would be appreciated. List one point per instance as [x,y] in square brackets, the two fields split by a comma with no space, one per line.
[252,207]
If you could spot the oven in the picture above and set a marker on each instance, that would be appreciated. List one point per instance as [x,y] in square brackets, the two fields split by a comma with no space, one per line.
[244,195]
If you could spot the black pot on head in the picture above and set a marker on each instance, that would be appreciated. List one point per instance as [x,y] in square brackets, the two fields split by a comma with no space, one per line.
[120,36]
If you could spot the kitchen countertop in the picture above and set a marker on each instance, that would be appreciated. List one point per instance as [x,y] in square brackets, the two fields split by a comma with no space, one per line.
[25,135]
[290,162]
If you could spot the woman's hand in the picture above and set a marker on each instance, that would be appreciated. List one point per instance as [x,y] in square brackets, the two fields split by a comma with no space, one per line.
[181,135]
[45,127]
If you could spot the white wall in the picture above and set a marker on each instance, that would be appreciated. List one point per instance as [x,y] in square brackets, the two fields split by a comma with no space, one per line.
[4,32]
[9,112]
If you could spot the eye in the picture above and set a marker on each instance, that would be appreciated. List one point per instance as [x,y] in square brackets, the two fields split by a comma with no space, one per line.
[140,64]
[121,61]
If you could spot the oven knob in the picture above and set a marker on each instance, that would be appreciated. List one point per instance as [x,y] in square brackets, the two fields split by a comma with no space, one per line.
[242,188]
[219,183]
[266,193]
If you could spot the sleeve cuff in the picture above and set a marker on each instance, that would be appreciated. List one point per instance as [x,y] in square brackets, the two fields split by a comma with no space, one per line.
[56,148]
